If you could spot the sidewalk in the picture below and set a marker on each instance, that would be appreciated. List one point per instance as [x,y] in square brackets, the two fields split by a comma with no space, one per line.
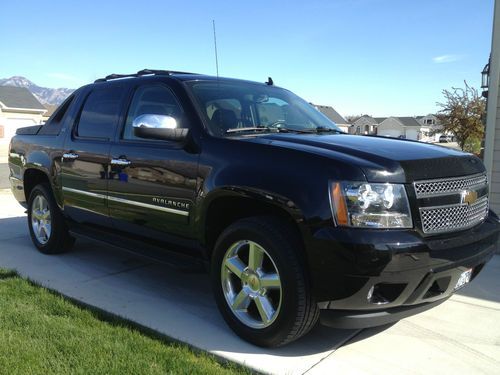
[459,336]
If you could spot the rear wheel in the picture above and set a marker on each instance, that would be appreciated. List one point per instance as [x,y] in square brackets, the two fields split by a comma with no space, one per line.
[260,283]
[48,230]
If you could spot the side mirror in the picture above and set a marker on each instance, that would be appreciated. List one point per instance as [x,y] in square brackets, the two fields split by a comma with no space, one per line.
[159,127]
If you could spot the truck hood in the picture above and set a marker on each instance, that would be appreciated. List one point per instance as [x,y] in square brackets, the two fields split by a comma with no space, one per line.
[382,159]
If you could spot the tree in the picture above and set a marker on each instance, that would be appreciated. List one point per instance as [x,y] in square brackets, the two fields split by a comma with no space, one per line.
[461,114]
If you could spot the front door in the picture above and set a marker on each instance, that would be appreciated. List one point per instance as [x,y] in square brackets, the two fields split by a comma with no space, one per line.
[85,163]
[152,182]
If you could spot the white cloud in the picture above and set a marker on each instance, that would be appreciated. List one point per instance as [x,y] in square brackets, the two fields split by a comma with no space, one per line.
[446,59]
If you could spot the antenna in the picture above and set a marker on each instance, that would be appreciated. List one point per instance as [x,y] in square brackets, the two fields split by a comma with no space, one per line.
[215,45]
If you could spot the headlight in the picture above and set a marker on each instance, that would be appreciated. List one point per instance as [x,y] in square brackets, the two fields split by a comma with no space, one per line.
[367,205]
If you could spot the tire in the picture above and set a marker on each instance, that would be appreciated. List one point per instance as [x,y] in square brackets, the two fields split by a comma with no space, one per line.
[47,227]
[268,302]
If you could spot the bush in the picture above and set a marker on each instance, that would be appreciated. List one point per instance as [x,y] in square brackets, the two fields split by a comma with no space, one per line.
[472,145]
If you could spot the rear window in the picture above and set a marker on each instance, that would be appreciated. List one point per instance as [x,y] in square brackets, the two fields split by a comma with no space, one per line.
[100,113]
[54,124]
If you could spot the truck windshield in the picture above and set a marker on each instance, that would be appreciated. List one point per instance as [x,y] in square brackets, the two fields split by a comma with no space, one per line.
[243,107]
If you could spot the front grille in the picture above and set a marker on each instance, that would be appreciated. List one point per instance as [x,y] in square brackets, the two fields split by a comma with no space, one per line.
[447,217]
[448,186]
[454,217]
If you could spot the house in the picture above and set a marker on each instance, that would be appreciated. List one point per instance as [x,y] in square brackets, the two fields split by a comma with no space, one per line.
[428,120]
[433,123]
[51,108]
[18,108]
[334,116]
[492,139]
[366,124]
[404,127]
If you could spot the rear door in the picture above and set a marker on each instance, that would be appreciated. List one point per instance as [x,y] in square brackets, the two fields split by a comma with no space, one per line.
[152,182]
[85,162]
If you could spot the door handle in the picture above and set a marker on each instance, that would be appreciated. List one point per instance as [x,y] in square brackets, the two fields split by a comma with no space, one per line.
[69,156]
[120,162]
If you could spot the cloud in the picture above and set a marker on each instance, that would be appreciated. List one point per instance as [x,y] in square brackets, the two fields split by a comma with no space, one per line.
[63,76]
[446,59]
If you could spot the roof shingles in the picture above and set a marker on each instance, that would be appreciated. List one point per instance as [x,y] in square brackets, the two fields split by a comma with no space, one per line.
[331,114]
[409,121]
[19,97]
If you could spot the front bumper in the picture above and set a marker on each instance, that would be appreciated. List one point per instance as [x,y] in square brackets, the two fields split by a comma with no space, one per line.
[364,278]
[353,319]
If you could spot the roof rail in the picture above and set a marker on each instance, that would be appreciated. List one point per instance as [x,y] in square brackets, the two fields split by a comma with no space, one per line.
[140,73]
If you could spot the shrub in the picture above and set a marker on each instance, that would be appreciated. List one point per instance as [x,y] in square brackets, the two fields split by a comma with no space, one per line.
[472,145]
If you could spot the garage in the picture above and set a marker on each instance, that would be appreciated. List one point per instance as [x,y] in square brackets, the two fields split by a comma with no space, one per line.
[10,125]
[390,127]
[18,108]
[412,133]
[395,133]
[407,127]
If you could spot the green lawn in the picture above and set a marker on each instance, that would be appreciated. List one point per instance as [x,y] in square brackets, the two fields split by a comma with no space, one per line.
[44,333]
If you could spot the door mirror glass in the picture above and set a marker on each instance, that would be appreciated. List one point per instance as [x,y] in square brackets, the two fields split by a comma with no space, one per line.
[161,127]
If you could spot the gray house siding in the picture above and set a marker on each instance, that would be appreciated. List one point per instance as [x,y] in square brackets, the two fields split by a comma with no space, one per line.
[492,141]
[495,169]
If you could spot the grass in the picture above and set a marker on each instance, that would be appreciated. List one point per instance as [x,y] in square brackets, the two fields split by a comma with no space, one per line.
[44,333]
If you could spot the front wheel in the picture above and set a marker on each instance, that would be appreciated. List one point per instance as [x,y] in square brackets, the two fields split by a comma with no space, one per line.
[46,224]
[260,284]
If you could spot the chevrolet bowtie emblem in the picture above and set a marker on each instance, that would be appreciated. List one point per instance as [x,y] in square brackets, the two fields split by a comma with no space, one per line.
[468,196]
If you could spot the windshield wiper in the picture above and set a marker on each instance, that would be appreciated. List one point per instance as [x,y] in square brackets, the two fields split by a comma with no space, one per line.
[280,129]
[324,129]
[248,129]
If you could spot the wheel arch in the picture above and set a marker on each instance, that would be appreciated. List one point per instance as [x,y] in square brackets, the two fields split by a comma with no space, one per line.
[33,177]
[228,205]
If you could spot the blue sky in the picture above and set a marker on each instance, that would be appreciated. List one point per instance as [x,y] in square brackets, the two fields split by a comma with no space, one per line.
[381,57]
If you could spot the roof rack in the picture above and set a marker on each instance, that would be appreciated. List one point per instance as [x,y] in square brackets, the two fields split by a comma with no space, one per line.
[140,73]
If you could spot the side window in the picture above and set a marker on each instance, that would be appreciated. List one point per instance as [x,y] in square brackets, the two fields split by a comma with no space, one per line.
[61,111]
[100,113]
[152,100]
[54,124]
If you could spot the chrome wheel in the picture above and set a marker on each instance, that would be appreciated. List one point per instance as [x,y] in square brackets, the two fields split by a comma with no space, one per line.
[40,219]
[251,284]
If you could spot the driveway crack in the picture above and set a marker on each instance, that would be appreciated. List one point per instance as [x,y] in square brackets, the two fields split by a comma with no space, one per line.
[347,339]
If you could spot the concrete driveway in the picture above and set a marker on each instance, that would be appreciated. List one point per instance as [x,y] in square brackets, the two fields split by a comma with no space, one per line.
[461,336]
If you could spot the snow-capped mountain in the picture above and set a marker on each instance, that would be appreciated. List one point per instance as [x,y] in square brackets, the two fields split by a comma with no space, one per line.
[43,94]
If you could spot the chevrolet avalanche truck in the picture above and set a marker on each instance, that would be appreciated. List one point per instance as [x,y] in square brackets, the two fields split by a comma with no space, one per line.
[296,220]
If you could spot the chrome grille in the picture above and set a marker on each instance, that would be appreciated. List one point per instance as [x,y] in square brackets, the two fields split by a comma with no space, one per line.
[448,186]
[453,217]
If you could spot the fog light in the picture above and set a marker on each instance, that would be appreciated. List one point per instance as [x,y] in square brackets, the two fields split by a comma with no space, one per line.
[370,293]
[381,294]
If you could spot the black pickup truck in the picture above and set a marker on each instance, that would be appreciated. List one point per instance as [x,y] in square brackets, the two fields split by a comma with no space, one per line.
[296,220]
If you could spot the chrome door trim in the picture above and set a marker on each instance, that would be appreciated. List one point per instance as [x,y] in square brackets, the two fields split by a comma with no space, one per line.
[126,201]
[83,192]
